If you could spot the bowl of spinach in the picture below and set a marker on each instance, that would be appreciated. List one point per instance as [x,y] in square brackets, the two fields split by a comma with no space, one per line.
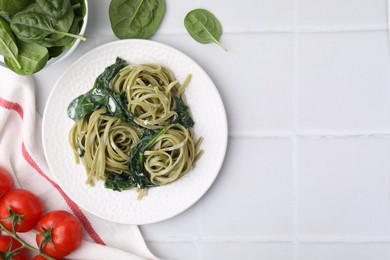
[35,34]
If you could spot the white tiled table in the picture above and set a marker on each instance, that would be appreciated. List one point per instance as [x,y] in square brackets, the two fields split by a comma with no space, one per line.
[306,85]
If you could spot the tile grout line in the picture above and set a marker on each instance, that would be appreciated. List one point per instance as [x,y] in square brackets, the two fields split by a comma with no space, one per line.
[312,240]
[280,29]
[388,23]
[295,130]
[197,243]
[199,220]
[310,135]
[388,17]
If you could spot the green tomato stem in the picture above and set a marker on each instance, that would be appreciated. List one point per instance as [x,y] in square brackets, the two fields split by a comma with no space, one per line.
[24,244]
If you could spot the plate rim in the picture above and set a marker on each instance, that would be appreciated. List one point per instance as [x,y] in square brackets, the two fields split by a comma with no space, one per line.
[224,122]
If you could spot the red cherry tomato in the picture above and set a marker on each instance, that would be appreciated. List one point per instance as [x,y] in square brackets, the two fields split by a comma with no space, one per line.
[65,232]
[23,203]
[5,182]
[4,244]
[39,257]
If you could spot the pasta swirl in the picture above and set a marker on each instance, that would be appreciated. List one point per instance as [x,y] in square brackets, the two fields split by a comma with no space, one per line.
[133,129]
[172,155]
[149,90]
[105,143]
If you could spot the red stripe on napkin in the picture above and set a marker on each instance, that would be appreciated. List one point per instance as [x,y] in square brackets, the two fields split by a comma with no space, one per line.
[73,206]
[12,106]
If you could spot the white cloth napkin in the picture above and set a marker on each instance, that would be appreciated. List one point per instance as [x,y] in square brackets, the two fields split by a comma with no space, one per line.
[22,155]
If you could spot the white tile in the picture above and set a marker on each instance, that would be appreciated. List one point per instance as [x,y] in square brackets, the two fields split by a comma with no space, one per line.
[234,16]
[180,227]
[343,186]
[344,81]
[183,43]
[344,251]
[98,19]
[341,12]
[174,250]
[251,16]
[252,197]
[247,251]
[254,79]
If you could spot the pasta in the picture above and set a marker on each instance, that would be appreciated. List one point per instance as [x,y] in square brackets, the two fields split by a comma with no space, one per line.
[149,90]
[134,129]
[171,156]
[106,143]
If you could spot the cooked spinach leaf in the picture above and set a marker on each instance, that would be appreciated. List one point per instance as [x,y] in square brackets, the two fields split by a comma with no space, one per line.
[184,118]
[137,157]
[100,96]
[32,58]
[136,18]
[119,182]
[103,80]
[138,176]
[80,151]
[203,26]
[8,47]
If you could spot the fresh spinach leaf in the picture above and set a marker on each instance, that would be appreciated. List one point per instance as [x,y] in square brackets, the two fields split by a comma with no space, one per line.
[203,26]
[35,27]
[184,118]
[79,13]
[5,16]
[100,96]
[55,8]
[8,47]
[13,6]
[32,58]
[136,18]
[55,51]
[60,11]
[65,42]
[79,7]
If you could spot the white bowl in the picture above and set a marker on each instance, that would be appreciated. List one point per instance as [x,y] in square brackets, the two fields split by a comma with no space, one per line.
[67,52]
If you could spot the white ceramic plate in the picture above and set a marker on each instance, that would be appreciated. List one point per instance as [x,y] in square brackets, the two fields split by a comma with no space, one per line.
[161,202]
